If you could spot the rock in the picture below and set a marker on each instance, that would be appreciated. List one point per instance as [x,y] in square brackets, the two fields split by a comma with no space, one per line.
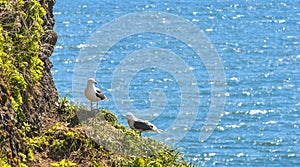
[43,97]
[39,109]
[9,136]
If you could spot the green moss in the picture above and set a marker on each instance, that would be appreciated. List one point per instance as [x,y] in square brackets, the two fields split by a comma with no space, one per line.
[100,140]
[20,66]
[4,162]
[108,116]
[66,109]
[20,33]
[63,163]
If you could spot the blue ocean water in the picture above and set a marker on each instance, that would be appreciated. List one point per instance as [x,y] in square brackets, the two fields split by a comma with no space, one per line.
[258,43]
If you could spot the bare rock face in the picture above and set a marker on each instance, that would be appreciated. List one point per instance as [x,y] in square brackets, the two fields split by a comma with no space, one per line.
[9,137]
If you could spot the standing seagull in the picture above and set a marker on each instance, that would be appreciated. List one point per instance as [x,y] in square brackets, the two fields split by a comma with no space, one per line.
[140,125]
[92,93]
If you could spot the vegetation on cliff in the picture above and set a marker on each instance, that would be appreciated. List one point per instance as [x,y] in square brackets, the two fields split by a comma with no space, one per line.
[22,29]
[38,130]
[85,143]
[20,33]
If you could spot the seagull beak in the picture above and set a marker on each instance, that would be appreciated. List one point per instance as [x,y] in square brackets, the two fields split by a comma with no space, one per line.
[95,83]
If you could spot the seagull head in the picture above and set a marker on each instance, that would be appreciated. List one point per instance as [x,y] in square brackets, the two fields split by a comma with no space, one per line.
[91,81]
[130,116]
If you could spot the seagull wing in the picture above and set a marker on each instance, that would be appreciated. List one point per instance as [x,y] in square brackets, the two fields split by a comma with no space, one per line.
[143,125]
[100,95]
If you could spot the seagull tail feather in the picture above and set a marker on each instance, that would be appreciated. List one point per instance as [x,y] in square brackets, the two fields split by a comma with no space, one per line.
[158,130]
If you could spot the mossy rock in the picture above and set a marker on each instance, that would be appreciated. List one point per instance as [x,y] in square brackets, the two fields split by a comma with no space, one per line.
[108,116]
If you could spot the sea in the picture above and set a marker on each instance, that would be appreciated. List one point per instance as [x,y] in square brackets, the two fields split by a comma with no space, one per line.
[220,77]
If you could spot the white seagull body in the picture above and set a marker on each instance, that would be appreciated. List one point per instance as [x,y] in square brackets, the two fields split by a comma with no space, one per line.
[92,93]
[140,125]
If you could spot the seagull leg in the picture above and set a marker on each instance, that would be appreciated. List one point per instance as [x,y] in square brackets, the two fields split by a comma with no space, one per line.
[91,106]
[97,107]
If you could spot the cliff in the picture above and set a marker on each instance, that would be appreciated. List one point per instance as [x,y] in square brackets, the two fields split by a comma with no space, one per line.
[36,127]
[28,93]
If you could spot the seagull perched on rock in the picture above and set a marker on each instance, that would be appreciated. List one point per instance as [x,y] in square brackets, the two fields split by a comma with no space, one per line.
[140,125]
[92,93]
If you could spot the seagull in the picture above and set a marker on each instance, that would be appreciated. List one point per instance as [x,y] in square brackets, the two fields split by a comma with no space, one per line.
[140,125]
[92,93]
